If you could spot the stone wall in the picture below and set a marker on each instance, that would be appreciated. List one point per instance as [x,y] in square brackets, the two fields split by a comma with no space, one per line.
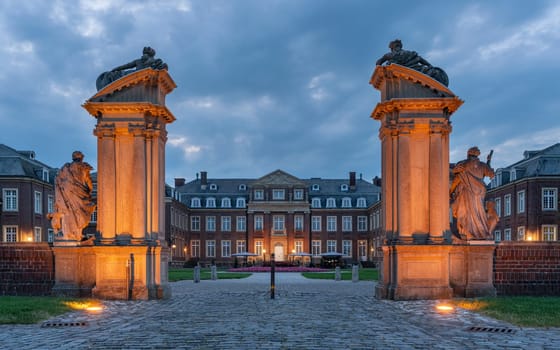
[530,268]
[26,269]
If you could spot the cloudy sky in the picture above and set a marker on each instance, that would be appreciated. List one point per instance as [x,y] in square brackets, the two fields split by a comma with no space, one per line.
[279,84]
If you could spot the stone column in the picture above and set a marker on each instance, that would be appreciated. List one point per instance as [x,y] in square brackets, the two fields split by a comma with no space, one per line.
[414,113]
[131,132]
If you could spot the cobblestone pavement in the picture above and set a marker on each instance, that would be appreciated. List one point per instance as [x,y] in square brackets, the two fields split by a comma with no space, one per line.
[305,314]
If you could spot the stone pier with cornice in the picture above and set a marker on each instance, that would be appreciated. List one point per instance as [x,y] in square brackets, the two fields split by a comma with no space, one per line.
[414,114]
[131,254]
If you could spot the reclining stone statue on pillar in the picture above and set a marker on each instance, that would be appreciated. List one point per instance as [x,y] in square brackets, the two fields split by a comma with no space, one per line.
[147,60]
[73,199]
[411,59]
[475,218]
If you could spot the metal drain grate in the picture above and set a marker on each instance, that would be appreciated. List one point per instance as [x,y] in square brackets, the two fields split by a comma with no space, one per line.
[492,330]
[63,324]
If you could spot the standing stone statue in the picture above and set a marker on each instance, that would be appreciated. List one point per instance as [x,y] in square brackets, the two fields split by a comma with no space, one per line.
[147,60]
[413,60]
[467,193]
[73,200]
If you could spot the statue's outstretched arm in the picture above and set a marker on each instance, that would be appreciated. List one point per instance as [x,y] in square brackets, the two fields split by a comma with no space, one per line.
[125,66]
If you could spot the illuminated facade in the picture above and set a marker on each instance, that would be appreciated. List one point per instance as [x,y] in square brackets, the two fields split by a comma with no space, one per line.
[27,195]
[276,214]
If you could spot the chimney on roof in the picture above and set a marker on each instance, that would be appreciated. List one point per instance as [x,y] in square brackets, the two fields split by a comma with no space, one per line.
[377,181]
[352,180]
[179,181]
[203,179]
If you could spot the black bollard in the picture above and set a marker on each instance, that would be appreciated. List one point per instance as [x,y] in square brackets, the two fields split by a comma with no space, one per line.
[272,271]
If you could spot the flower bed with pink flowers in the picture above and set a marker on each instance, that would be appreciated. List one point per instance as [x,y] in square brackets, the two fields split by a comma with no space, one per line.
[278,269]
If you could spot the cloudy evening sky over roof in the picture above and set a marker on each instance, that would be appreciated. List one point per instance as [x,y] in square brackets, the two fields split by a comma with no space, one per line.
[265,85]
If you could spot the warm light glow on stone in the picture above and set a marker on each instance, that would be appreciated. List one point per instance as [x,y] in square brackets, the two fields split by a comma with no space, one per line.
[88,305]
[444,308]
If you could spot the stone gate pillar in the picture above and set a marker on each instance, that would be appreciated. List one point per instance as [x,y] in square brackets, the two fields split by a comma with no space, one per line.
[131,251]
[414,113]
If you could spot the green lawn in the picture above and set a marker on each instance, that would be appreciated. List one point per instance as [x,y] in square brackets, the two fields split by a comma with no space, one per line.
[521,311]
[187,274]
[365,274]
[29,310]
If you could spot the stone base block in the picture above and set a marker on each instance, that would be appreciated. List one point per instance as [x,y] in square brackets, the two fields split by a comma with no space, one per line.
[471,270]
[415,272]
[74,270]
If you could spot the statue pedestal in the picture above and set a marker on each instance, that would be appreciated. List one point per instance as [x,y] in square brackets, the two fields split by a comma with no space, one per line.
[74,270]
[471,269]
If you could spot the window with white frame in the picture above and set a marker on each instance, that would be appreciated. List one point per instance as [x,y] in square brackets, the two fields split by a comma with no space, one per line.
[362,250]
[241,247]
[549,232]
[210,223]
[521,233]
[195,248]
[331,223]
[226,202]
[226,249]
[361,202]
[241,224]
[50,235]
[347,247]
[298,194]
[195,223]
[226,223]
[10,199]
[298,223]
[315,187]
[549,198]
[507,205]
[362,223]
[497,235]
[521,201]
[258,194]
[240,202]
[346,202]
[315,223]
[211,248]
[316,247]
[331,203]
[498,202]
[277,194]
[507,234]
[315,203]
[37,234]
[298,247]
[93,217]
[278,223]
[50,203]
[210,202]
[258,222]
[195,202]
[10,233]
[45,174]
[346,224]
[259,248]
[331,246]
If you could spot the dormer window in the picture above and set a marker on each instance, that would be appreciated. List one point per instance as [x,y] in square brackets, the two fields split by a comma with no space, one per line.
[316,203]
[226,203]
[344,187]
[240,203]
[213,187]
[45,175]
[242,187]
[361,203]
[346,202]
[210,202]
[331,203]
[315,187]
[195,202]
